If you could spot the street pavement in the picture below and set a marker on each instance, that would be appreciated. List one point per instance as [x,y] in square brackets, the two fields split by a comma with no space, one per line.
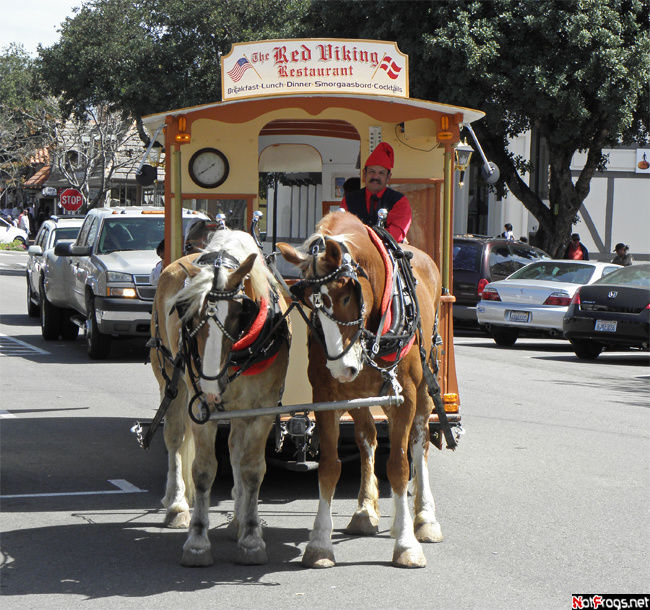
[547,494]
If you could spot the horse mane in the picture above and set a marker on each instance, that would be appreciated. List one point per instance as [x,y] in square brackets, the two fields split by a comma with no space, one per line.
[240,245]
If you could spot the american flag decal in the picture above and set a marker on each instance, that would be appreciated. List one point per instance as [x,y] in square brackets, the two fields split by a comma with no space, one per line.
[239,69]
[390,67]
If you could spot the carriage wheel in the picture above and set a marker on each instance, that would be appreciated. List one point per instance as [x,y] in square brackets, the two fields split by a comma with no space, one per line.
[50,318]
[98,344]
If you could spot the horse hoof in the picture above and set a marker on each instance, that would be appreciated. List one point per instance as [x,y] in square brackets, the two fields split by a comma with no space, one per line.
[362,524]
[197,558]
[409,558]
[177,520]
[428,532]
[251,557]
[318,558]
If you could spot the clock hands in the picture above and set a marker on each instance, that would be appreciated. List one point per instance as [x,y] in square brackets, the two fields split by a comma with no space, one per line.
[206,169]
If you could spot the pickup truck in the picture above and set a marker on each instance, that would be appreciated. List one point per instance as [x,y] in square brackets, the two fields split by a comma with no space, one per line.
[101,281]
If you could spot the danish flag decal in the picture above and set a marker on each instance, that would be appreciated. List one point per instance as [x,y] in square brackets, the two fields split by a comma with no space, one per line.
[390,67]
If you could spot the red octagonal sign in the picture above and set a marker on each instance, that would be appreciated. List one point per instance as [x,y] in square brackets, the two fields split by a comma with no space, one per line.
[71,200]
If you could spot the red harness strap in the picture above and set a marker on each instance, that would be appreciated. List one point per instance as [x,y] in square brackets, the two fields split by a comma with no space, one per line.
[386,298]
[250,337]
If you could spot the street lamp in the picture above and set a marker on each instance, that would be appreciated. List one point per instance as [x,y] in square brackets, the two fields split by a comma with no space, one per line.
[463,155]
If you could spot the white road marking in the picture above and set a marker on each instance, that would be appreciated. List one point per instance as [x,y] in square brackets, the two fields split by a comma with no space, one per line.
[10,346]
[124,487]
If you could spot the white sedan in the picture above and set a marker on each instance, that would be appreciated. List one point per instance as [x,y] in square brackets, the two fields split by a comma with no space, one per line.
[535,298]
[10,234]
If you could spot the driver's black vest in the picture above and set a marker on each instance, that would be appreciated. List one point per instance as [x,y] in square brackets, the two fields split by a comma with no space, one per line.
[356,202]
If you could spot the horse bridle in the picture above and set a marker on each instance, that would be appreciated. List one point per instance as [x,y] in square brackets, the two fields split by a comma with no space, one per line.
[348,268]
[217,260]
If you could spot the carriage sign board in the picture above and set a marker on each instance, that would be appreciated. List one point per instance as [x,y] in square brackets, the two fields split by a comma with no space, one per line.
[71,200]
[273,67]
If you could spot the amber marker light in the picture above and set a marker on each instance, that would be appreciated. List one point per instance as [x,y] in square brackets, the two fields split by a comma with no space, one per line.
[182,136]
[451,402]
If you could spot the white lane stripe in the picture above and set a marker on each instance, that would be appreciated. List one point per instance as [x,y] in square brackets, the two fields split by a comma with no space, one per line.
[17,342]
[124,487]
[6,415]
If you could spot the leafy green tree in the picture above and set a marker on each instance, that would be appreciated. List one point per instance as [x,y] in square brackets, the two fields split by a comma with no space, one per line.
[575,71]
[146,56]
[25,107]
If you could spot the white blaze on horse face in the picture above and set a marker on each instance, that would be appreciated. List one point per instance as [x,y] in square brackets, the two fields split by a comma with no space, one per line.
[213,354]
[343,369]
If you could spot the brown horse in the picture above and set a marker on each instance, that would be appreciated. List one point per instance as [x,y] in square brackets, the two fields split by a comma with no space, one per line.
[223,311]
[346,276]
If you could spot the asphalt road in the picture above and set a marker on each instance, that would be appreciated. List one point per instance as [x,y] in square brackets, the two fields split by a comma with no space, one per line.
[547,494]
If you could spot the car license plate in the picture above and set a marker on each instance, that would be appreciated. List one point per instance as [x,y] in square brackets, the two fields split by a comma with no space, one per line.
[606,326]
[519,316]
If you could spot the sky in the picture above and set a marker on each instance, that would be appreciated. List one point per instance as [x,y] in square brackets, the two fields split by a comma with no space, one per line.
[31,22]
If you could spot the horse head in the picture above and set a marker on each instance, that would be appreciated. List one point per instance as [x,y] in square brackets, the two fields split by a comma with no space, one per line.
[335,287]
[223,313]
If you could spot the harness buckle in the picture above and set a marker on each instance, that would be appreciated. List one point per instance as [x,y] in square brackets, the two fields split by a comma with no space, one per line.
[317,300]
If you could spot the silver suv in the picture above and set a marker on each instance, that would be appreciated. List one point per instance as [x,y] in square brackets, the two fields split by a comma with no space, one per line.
[52,231]
[103,285]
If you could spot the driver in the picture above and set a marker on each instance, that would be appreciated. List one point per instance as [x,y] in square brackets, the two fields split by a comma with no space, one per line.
[376,195]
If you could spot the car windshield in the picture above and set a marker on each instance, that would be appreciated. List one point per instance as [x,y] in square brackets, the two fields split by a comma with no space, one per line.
[555,271]
[635,275]
[65,233]
[133,233]
[467,256]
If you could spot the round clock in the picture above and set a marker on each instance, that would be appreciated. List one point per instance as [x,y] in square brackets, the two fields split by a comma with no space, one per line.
[208,168]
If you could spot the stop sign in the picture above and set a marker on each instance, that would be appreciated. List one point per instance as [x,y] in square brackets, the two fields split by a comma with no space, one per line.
[71,199]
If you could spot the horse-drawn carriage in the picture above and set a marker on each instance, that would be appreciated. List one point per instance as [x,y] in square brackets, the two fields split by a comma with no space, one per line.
[230,337]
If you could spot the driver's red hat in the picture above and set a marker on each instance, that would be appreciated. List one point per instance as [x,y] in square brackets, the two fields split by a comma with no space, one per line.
[383,155]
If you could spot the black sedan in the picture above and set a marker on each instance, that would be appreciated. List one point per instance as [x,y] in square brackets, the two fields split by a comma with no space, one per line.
[613,312]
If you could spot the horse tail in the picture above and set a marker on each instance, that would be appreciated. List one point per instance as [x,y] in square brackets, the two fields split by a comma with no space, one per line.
[188,451]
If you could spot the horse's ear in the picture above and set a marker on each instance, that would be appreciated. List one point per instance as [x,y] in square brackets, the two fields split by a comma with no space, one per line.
[290,254]
[333,253]
[238,275]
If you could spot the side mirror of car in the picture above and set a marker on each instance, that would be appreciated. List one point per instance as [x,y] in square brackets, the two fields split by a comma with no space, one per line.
[68,248]
[35,250]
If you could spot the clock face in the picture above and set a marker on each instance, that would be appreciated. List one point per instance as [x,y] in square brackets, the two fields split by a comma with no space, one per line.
[208,167]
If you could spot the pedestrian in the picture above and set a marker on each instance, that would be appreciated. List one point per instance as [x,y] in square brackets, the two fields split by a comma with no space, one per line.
[576,249]
[23,221]
[622,257]
[508,233]
[366,202]
[154,276]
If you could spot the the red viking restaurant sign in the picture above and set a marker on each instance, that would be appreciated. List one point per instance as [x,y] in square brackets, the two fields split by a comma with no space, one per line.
[278,67]
[71,200]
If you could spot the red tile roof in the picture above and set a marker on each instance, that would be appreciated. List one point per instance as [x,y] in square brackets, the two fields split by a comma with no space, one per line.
[39,178]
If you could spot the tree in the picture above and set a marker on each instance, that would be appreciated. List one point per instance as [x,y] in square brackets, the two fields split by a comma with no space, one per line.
[93,150]
[146,56]
[575,71]
[25,107]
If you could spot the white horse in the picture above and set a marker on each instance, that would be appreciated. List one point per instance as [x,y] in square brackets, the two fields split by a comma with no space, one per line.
[216,308]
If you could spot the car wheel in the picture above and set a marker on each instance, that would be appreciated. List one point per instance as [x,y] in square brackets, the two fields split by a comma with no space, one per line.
[97,343]
[585,349]
[19,241]
[32,308]
[50,318]
[505,337]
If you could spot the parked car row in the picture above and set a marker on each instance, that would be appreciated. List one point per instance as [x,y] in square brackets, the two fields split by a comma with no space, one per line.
[97,279]
[535,298]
